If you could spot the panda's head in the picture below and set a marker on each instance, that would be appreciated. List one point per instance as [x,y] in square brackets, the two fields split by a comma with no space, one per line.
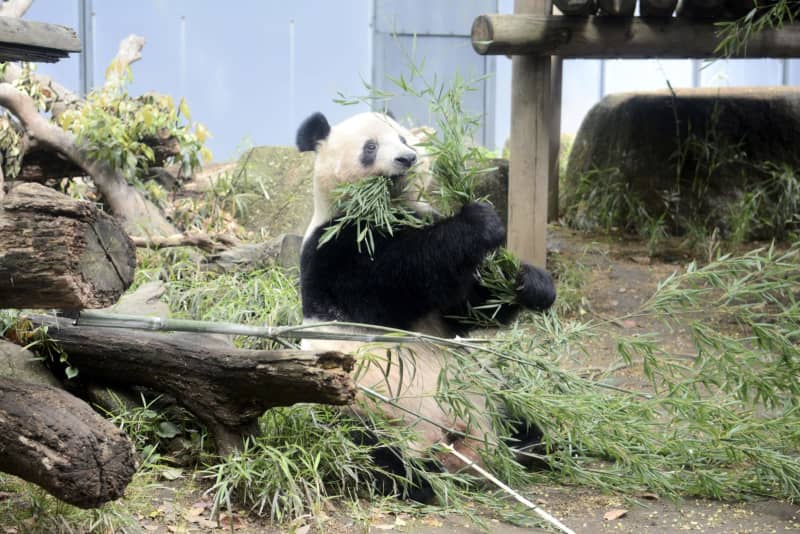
[367,144]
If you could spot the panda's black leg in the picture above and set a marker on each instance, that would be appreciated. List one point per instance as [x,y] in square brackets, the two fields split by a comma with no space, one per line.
[389,461]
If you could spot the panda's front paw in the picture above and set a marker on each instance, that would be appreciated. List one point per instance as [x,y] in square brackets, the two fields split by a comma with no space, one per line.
[487,225]
[536,290]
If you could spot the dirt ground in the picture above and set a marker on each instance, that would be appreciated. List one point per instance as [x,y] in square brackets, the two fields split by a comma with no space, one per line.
[619,278]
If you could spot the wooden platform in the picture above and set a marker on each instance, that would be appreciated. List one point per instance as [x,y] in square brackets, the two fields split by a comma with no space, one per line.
[537,41]
[22,40]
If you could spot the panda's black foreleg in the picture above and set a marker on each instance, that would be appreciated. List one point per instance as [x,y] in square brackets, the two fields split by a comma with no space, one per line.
[535,291]
[432,268]
[392,466]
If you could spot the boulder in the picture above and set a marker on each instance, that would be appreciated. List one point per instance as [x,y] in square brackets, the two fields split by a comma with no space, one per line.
[22,365]
[714,141]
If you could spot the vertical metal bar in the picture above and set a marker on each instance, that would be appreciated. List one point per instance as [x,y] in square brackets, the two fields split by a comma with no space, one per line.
[292,124]
[86,33]
[183,59]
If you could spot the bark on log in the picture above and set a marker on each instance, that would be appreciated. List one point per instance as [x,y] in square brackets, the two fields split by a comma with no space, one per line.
[617,8]
[209,243]
[700,9]
[616,37]
[657,8]
[57,252]
[57,441]
[225,387]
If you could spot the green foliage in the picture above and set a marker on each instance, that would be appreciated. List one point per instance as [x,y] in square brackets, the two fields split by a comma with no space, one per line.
[303,456]
[262,296]
[28,509]
[114,128]
[765,206]
[735,35]
[221,207]
[368,205]
[150,426]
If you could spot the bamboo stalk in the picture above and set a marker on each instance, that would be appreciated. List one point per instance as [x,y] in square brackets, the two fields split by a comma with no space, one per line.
[497,482]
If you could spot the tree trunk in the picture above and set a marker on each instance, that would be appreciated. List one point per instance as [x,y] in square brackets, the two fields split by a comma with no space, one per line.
[225,387]
[57,441]
[56,252]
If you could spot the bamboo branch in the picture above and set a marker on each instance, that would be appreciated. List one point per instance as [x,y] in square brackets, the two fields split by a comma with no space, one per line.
[494,480]
[209,243]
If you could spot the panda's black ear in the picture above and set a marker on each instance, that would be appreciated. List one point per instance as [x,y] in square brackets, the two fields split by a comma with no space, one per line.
[389,114]
[313,130]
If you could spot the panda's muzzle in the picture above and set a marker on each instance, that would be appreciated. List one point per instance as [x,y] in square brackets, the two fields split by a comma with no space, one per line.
[406,160]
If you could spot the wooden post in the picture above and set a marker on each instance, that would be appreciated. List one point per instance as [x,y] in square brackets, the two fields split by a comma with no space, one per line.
[555,137]
[529,162]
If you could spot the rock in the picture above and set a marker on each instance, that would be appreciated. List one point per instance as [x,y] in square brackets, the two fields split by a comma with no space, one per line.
[21,364]
[721,133]
[283,250]
[280,179]
[145,300]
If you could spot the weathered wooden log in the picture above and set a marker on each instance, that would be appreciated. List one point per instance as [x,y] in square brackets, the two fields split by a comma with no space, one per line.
[617,8]
[616,37]
[58,442]
[225,387]
[700,9]
[57,252]
[576,7]
[209,243]
[23,40]
[657,8]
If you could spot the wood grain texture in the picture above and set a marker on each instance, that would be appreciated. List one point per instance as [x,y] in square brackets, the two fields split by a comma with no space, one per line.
[60,443]
[225,387]
[24,40]
[618,37]
[57,252]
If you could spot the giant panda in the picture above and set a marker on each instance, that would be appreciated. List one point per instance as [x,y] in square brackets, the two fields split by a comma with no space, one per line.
[418,279]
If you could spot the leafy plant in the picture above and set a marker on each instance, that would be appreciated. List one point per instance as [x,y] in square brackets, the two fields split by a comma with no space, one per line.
[368,206]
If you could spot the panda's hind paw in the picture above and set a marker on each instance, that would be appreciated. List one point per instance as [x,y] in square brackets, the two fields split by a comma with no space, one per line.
[536,290]
[487,225]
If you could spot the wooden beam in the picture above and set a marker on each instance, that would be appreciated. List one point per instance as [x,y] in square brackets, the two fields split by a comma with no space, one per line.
[24,40]
[615,37]
[529,161]
[556,70]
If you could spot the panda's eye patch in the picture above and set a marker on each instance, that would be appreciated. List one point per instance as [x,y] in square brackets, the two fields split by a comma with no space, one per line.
[403,140]
[370,146]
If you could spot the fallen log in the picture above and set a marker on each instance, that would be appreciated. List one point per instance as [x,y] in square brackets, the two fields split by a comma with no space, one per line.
[57,252]
[58,442]
[40,164]
[227,388]
[209,243]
